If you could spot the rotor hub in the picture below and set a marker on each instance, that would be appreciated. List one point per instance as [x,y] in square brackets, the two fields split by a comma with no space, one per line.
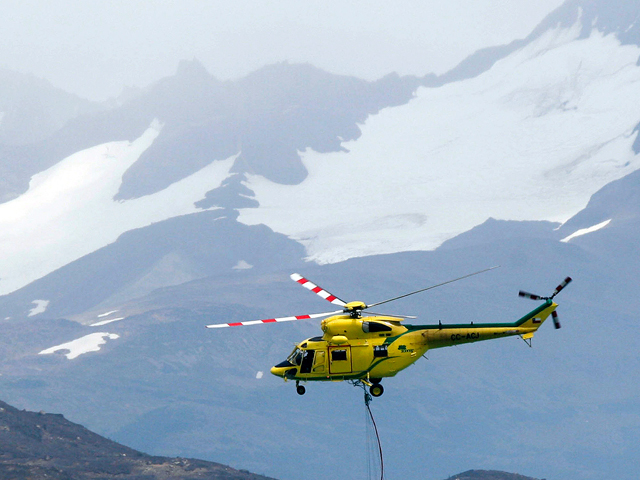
[354,309]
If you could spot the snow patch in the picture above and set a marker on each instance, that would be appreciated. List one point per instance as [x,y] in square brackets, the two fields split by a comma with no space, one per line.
[105,322]
[584,231]
[533,138]
[242,265]
[88,343]
[40,307]
[106,314]
[76,195]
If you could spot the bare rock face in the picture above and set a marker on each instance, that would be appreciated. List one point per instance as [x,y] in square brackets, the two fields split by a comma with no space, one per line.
[43,445]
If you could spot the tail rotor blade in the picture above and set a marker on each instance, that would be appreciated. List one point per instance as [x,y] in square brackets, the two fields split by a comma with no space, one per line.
[532,296]
[561,286]
[556,321]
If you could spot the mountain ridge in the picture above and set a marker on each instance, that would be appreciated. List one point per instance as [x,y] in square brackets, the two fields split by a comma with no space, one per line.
[44,445]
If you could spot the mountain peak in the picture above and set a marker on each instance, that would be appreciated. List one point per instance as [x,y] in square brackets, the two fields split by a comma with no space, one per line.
[192,69]
[620,17]
[488,475]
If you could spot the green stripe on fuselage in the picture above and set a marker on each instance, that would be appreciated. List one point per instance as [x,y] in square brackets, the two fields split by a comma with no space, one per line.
[517,323]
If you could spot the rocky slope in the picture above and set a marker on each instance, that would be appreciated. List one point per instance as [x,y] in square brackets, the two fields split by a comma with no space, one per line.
[44,445]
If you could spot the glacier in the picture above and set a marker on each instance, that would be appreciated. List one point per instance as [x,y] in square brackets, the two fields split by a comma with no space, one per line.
[532,138]
[69,209]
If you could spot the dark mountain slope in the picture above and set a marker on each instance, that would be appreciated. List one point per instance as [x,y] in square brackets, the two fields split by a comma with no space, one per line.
[40,445]
[167,253]
[488,475]
[183,390]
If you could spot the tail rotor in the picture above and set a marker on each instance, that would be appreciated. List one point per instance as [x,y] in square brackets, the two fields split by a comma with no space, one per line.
[559,288]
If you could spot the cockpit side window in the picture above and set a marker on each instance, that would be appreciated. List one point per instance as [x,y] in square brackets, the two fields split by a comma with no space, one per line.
[374,327]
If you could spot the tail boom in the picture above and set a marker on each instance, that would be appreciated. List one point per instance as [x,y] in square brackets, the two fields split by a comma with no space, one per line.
[441,335]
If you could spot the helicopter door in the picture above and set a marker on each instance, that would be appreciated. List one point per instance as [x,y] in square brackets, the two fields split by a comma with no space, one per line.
[307,361]
[340,360]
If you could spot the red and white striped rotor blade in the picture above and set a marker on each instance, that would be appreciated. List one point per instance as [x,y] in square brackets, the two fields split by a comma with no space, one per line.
[317,290]
[273,320]
[560,287]
[532,296]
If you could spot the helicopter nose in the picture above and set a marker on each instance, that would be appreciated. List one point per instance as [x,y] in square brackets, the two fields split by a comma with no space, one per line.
[277,371]
[282,369]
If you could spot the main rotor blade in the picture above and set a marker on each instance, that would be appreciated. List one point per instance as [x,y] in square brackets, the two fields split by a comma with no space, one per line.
[317,290]
[392,315]
[273,320]
[433,286]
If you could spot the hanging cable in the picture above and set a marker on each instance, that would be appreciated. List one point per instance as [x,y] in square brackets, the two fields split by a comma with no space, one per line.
[371,468]
[367,401]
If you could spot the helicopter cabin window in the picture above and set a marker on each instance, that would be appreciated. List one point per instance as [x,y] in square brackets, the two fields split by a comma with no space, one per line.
[380,351]
[338,355]
[375,327]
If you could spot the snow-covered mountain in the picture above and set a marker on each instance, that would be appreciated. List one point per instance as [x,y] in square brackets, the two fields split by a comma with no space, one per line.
[129,229]
[133,166]
[532,138]
[312,156]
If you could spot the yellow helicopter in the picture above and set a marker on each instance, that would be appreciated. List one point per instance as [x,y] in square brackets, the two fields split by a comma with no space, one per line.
[366,349]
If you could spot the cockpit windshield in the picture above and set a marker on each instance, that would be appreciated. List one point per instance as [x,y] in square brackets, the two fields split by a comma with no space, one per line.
[296,357]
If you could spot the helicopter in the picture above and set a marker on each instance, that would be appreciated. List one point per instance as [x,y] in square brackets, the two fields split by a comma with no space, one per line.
[365,349]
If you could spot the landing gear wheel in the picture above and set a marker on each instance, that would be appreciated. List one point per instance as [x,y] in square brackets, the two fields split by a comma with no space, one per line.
[375,381]
[300,389]
[376,390]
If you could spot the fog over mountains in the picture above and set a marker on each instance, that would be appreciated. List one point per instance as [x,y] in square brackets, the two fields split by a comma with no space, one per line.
[128,227]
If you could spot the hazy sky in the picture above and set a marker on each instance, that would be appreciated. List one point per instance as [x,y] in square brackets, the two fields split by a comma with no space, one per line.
[94,48]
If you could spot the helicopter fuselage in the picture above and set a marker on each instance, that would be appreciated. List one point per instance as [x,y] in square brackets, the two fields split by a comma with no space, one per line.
[371,348]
